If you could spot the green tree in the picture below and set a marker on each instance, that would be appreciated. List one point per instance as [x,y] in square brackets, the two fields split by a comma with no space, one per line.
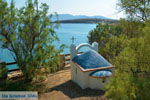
[114,46]
[127,45]
[114,38]
[130,28]
[103,32]
[139,9]
[29,33]
[111,39]
[131,79]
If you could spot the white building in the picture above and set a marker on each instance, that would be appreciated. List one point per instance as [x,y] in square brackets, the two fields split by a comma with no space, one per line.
[89,69]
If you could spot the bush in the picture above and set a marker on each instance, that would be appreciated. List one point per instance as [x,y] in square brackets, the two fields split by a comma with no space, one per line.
[103,32]
[114,46]
[131,79]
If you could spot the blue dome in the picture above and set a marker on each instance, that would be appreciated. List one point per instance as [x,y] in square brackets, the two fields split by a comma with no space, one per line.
[90,60]
[101,73]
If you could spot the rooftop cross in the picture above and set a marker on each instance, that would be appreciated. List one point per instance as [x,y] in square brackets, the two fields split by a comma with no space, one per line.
[73,39]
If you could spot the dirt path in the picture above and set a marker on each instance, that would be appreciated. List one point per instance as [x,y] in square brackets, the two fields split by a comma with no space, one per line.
[60,87]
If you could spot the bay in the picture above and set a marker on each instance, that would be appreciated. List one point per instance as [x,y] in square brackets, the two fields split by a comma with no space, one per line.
[65,33]
[78,31]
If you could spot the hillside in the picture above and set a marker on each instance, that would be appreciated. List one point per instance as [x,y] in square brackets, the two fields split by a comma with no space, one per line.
[69,17]
[91,20]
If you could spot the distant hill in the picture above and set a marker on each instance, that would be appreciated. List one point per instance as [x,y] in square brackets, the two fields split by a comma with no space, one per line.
[89,20]
[69,16]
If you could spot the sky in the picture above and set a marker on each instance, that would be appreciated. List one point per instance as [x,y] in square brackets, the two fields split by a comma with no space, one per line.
[106,8]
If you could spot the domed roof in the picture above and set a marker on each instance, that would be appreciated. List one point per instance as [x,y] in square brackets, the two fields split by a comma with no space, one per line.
[90,60]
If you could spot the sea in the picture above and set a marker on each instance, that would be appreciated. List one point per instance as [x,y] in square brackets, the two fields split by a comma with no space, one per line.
[67,33]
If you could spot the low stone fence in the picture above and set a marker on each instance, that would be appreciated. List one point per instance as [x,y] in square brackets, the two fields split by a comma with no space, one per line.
[64,63]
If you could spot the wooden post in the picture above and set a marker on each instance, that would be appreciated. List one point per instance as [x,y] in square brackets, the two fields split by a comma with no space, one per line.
[3,72]
[62,61]
[2,64]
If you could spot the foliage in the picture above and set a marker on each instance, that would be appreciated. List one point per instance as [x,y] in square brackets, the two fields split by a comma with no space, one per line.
[125,88]
[29,33]
[127,46]
[132,68]
[102,32]
[114,46]
[130,28]
[136,9]
[112,39]
[21,85]
[131,80]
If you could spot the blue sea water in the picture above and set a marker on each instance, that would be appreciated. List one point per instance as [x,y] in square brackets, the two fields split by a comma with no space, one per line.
[65,32]
[78,31]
